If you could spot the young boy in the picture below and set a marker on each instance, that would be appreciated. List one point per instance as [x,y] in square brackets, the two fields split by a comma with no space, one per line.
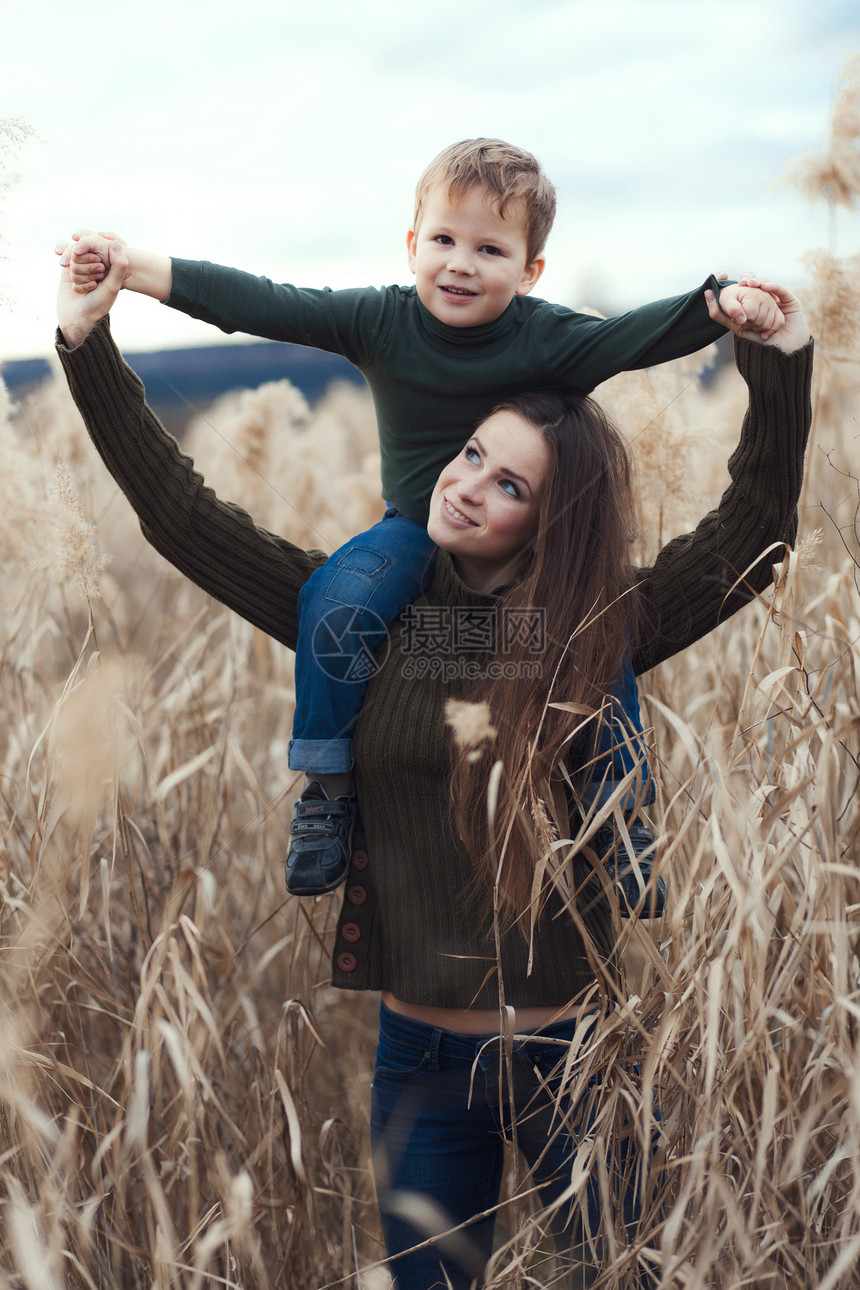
[437,357]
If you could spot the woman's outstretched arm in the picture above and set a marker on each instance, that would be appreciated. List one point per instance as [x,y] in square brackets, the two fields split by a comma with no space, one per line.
[214,543]
[702,578]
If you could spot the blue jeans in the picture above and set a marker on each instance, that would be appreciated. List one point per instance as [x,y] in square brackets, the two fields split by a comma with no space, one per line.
[622,745]
[344,611]
[441,1110]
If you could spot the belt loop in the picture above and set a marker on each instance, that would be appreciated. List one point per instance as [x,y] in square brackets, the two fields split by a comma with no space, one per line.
[490,1052]
[434,1044]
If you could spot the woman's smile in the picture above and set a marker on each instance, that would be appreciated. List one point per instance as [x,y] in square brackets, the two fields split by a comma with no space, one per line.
[450,512]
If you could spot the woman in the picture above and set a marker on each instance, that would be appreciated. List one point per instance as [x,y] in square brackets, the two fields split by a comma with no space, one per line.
[452,933]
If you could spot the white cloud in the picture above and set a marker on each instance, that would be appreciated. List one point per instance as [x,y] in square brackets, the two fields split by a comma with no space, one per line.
[287,138]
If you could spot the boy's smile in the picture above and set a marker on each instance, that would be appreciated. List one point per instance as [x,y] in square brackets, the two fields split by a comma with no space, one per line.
[469,262]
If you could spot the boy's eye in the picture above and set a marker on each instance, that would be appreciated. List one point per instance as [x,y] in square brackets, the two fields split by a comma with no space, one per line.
[443,239]
[491,250]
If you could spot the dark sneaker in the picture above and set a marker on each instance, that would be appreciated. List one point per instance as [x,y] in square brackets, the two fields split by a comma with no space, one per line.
[610,847]
[320,842]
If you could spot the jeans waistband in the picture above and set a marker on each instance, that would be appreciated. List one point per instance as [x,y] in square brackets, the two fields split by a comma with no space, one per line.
[427,1038]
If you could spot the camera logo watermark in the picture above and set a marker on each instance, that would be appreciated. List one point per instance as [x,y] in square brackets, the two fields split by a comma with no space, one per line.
[451,642]
[345,643]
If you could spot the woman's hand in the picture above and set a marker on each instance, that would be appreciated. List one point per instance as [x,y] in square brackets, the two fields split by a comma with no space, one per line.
[793,334]
[78,314]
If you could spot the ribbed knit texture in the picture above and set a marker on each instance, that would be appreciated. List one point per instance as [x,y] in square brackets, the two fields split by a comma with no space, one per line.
[410,922]
[432,383]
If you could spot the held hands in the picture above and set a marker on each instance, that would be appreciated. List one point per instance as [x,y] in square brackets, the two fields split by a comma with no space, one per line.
[750,308]
[87,260]
[77,311]
[87,257]
[761,311]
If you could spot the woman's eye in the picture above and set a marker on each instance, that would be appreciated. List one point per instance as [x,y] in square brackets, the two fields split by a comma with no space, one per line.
[508,486]
[470,453]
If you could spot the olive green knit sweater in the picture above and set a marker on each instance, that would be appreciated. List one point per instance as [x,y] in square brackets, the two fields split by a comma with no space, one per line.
[410,922]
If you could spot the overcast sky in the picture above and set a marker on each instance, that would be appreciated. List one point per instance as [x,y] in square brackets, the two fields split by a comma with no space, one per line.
[286,137]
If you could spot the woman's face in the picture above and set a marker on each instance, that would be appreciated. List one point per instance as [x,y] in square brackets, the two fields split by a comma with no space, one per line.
[485,505]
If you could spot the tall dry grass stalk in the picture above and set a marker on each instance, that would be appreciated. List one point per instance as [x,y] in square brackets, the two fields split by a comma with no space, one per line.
[832,174]
[183,1098]
[13,133]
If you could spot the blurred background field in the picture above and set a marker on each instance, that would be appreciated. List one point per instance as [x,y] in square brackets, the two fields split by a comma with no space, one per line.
[183,1098]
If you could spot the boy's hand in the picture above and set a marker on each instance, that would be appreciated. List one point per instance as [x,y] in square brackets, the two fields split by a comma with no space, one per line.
[87,257]
[793,332]
[749,309]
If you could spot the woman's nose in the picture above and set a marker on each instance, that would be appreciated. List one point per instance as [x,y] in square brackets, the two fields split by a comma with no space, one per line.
[469,490]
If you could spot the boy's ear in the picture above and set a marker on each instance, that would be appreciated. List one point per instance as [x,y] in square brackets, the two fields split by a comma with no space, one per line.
[531,273]
[411,245]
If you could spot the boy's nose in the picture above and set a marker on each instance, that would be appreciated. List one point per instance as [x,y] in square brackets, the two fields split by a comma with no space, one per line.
[460,260]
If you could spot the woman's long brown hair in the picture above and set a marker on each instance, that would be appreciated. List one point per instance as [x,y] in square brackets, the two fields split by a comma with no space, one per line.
[577,573]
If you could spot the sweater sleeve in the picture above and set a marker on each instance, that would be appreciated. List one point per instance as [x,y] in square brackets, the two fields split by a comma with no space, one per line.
[214,543]
[340,322]
[581,352]
[702,578]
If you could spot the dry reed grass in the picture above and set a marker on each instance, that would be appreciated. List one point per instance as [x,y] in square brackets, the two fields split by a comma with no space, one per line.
[832,174]
[167,1118]
[183,1098]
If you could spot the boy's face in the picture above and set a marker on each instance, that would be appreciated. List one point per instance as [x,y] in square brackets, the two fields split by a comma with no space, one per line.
[469,262]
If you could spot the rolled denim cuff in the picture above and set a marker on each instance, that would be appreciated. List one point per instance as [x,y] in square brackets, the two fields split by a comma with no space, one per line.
[321,756]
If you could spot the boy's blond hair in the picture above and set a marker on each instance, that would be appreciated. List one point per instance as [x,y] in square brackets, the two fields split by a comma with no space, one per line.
[506,173]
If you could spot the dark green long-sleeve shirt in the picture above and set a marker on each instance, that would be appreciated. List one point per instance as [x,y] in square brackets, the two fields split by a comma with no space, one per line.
[408,923]
[432,383]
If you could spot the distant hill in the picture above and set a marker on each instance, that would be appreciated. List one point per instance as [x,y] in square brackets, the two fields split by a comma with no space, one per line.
[175,378]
